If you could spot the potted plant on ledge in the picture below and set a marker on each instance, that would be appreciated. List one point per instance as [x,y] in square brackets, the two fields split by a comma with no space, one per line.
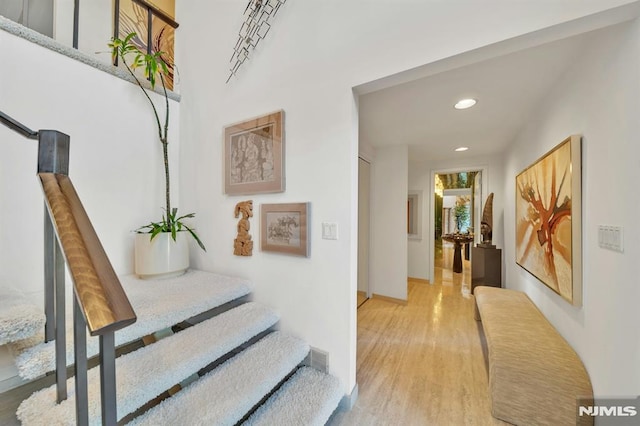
[161,248]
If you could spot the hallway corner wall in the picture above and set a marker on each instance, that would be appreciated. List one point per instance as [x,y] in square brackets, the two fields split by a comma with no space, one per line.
[598,98]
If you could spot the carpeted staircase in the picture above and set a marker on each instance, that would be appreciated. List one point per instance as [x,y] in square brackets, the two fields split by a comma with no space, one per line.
[234,367]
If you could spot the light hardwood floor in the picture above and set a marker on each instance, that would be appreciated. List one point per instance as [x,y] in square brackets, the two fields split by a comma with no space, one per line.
[423,363]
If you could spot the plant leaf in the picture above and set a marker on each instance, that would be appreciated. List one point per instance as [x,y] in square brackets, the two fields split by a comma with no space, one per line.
[190,215]
[193,234]
[155,232]
[164,67]
[129,37]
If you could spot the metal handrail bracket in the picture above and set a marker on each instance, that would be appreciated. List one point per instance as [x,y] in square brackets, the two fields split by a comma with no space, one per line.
[17,126]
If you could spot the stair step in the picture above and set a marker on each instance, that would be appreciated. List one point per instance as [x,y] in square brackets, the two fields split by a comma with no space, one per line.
[308,398]
[228,393]
[146,373]
[19,319]
[158,304]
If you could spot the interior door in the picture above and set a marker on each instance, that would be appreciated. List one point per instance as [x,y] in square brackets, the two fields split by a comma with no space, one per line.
[364,201]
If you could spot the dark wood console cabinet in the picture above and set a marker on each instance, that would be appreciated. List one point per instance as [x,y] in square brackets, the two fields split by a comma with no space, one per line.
[486,267]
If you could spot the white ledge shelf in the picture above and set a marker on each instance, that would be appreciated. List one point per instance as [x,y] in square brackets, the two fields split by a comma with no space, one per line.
[51,44]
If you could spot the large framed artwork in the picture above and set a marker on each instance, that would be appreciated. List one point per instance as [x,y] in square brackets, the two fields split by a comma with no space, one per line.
[548,219]
[283,228]
[254,155]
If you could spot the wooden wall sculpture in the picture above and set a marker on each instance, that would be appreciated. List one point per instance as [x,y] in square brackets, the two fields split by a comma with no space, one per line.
[243,245]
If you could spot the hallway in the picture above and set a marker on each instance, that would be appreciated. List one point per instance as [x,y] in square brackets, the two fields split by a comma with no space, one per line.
[423,363]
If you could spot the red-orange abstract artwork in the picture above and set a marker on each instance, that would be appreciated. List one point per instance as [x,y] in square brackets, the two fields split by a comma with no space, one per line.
[548,229]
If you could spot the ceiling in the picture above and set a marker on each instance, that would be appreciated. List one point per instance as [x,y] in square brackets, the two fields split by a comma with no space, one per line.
[508,88]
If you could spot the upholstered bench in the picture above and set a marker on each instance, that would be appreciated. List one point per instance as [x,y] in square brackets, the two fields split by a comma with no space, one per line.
[535,377]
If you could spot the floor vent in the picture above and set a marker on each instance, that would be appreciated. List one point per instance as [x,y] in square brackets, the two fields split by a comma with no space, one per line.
[319,360]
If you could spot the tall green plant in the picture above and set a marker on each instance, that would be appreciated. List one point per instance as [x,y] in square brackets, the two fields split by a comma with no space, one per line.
[155,68]
[461,212]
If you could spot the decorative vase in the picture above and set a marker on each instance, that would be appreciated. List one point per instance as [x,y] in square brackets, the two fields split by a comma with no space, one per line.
[162,257]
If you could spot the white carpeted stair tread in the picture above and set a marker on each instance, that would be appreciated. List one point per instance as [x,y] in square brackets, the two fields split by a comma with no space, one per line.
[146,373]
[308,398]
[225,395]
[158,304]
[19,318]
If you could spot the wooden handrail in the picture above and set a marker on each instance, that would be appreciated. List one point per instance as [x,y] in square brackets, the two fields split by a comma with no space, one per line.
[104,304]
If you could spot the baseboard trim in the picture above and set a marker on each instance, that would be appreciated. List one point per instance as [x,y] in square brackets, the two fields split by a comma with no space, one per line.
[348,401]
[12,383]
[418,280]
[389,299]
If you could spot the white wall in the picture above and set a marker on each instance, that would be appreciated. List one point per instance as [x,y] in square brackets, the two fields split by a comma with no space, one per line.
[63,21]
[389,222]
[419,256]
[315,53]
[599,97]
[115,164]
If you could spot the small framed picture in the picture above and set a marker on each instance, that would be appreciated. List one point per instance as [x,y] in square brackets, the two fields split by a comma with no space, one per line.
[284,228]
[254,155]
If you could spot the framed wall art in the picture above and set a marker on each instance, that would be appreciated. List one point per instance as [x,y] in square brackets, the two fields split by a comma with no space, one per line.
[254,155]
[548,219]
[284,228]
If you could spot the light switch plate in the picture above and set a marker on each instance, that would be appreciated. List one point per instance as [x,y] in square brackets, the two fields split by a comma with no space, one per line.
[611,237]
[329,231]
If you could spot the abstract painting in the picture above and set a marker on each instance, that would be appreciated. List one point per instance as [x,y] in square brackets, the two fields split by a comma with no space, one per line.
[284,228]
[133,18]
[548,225]
[254,155]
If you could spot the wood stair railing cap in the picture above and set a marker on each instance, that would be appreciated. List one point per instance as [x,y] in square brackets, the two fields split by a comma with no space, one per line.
[104,303]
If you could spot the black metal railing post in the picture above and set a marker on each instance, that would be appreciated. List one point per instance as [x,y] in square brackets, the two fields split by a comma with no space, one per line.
[53,152]
[81,367]
[149,31]
[53,157]
[76,22]
[116,26]
[61,329]
[49,283]
[108,379]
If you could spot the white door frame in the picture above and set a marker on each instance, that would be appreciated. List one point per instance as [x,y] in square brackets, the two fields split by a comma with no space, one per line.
[432,197]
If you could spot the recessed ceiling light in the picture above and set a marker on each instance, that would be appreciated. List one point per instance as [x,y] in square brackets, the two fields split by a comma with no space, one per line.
[461,148]
[465,103]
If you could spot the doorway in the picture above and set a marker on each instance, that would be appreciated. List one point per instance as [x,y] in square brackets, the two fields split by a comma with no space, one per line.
[364,206]
[456,216]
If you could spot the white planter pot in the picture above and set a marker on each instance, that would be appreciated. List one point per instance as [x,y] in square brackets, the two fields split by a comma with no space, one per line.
[162,257]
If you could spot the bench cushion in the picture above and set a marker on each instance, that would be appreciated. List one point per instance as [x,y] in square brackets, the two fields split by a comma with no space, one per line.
[535,377]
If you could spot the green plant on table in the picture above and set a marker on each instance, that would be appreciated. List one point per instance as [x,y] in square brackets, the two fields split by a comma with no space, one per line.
[155,68]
